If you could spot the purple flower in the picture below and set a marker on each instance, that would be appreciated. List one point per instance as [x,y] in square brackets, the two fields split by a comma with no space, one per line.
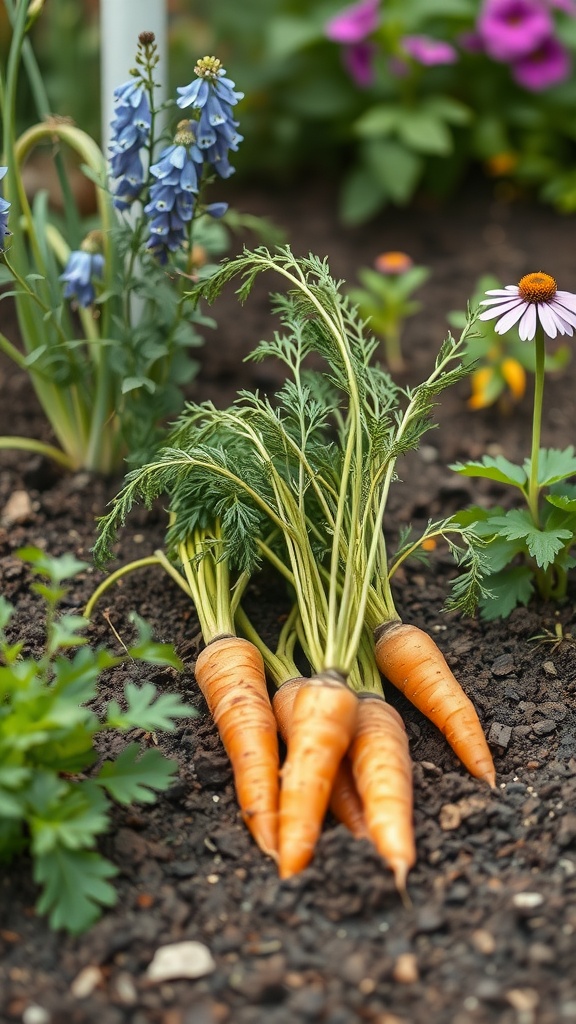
[214,96]
[354,23]
[536,297]
[568,6]
[4,207]
[359,62]
[428,51]
[471,42]
[546,66]
[83,266]
[511,29]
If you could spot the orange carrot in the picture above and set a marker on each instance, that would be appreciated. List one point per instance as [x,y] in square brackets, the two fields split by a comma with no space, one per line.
[410,659]
[345,803]
[382,770]
[323,723]
[230,674]
[283,705]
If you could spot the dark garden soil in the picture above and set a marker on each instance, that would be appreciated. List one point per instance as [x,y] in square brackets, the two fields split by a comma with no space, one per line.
[491,930]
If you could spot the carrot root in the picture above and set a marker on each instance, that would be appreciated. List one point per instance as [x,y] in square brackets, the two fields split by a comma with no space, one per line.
[230,673]
[411,660]
[382,769]
[323,723]
[345,804]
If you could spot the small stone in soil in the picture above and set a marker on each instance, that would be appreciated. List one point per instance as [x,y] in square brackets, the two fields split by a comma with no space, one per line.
[499,735]
[180,960]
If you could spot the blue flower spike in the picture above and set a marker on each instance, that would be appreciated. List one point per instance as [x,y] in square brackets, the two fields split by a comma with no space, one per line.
[214,95]
[84,266]
[4,207]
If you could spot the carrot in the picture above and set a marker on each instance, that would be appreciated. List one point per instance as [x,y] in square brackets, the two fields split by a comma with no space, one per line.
[323,723]
[230,674]
[382,770]
[345,803]
[410,659]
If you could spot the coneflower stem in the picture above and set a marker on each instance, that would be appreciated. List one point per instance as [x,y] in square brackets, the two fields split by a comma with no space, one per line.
[533,488]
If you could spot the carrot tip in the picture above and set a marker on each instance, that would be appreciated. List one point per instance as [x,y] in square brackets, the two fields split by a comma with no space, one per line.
[403,893]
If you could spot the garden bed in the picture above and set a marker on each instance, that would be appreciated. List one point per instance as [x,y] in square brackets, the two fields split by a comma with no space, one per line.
[491,929]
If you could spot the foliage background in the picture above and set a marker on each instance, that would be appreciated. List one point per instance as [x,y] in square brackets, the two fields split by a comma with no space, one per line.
[303,115]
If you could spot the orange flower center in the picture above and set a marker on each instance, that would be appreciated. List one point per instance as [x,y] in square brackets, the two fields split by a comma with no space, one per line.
[537,287]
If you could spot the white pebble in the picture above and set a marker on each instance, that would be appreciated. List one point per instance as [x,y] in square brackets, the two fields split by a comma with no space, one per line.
[180,960]
[528,900]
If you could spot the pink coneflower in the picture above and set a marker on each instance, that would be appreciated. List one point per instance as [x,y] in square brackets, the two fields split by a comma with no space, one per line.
[546,66]
[511,29]
[536,297]
[429,51]
[354,23]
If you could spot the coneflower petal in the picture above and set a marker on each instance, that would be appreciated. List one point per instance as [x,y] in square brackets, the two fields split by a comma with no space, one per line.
[548,320]
[527,325]
[511,317]
[567,299]
[501,309]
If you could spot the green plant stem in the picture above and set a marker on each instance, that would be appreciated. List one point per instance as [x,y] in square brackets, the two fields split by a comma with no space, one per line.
[392,348]
[533,486]
[139,563]
[280,665]
[29,444]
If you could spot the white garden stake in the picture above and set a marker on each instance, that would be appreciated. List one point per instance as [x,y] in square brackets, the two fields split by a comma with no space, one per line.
[121,22]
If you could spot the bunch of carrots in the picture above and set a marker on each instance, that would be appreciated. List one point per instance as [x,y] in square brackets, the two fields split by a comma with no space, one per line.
[302,484]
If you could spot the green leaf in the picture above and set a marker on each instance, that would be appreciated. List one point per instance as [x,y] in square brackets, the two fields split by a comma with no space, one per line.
[288,35]
[425,133]
[71,818]
[543,545]
[133,383]
[554,464]
[66,631]
[498,468]
[396,168]
[448,109]
[148,710]
[508,589]
[75,888]
[56,569]
[361,197]
[132,778]
[6,612]
[562,501]
[148,650]
[378,121]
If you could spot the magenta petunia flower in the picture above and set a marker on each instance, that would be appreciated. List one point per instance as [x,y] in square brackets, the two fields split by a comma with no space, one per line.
[354,23]
[511,29]
[359,62]
[568,6]
[428,51]
[546,66]
[536,297]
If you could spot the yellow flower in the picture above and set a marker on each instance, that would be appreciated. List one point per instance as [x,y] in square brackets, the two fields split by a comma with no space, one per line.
[480,380]
[515,376]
